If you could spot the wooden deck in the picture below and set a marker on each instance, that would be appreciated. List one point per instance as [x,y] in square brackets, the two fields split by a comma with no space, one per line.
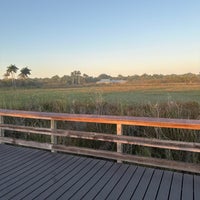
[27,173]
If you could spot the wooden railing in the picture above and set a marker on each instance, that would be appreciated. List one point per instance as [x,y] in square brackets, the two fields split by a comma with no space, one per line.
[120,139]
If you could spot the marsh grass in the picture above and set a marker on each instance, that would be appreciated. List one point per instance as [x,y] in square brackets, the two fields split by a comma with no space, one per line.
[145,101]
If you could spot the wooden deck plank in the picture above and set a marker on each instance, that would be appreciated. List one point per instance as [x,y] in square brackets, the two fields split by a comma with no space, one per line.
[12,155]
[11,189]
[92,182]
[52,177]
[154,185]
[144,184]
[164,189]
[133,183]
[17,161]
[119,187]
[176,186]
[187,188]
[8,156]
[24,169]
[6,150]
[73,180]
[27,170]
[104,180]
[45,175]
[41,187]
[56,189]
[14,159]
[108,187]
[196,187]
[72,190]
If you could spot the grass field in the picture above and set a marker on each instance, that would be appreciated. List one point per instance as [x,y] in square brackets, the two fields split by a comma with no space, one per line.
[120,94]
[166,100]
[169,101]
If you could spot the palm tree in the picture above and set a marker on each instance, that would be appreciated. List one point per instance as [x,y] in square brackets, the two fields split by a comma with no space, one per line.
[78,74]
[24,72]
[11,70]
[73,77]
[76,77]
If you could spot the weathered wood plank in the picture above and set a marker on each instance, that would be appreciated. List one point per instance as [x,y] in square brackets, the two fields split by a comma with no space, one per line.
[26,143]
[131,158]
[124,120]
[53,137]
[1,130]
[119,133]
[149,142]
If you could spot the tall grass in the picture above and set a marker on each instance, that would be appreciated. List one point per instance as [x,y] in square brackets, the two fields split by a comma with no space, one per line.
[104,102]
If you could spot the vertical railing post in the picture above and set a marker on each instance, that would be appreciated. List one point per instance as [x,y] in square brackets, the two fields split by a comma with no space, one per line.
[1,130]
[119,145]
[53,138]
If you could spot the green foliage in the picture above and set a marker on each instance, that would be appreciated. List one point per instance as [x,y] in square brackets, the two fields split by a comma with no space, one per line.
[24,72]
[11,71]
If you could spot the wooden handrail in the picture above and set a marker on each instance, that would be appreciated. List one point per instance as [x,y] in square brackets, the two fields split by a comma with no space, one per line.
[107,119]
[119,138]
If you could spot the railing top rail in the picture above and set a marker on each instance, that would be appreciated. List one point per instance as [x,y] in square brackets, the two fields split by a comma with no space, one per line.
[107,119]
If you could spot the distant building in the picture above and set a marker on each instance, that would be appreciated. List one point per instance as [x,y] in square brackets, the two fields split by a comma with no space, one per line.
[108,81]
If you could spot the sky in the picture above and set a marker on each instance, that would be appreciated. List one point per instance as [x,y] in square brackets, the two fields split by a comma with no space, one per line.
[127,37]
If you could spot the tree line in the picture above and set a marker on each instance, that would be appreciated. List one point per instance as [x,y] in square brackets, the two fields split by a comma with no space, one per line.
[76,78]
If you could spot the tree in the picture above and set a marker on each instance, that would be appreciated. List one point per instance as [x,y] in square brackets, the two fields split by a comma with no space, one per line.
[73,77]
[24,72]
[104,76]
[76,77]
[11,71]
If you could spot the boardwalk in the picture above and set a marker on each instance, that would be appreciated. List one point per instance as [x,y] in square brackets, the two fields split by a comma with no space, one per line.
[27,173]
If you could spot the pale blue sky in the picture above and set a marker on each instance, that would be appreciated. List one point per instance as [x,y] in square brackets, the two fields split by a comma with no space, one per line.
[100,36]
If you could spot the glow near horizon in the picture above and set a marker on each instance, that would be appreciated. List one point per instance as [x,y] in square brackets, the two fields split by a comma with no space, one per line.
[113,37]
